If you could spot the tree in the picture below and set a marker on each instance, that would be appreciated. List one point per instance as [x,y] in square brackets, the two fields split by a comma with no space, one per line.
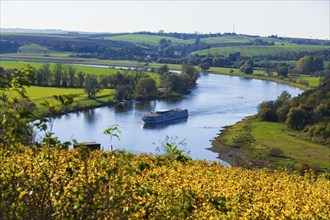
[163,69]
[65,78]
[105,81]
[204,66]
[46,74]
[117,79]
[16,109]
[267,111]
[285,95]
[58,71]
[71,73]
[39,78]
[172,83]
[81,79]
[309,64]
[220,61]
[123,92]
[247,69]
[282,112]
[137,75]
[297,118]
[146,88]
[282,71]
[92,86]
[191,71]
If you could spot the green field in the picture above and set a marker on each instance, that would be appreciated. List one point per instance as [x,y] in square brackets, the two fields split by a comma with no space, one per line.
[85,69]
[227,39]
[260,50]
[33,49]
[10,58]
[37,65]
[276,135]
[226,70]
[312,81]
[255,139]
[148,39]
[36,49]
[39,94]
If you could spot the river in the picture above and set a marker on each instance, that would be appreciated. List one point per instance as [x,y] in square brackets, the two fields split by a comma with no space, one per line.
[216,101]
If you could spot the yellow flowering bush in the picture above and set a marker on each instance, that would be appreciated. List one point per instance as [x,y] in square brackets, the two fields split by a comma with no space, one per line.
[75,184]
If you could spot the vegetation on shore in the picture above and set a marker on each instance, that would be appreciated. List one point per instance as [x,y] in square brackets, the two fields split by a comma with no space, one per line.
[254,144]
[285,133]
[102,86]
[46,183]
[81,101]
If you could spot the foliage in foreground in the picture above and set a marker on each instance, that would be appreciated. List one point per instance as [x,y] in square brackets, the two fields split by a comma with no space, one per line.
[60,184]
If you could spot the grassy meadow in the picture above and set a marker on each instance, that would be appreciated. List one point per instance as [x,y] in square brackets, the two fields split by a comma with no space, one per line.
[81,101]
[312,81]
[227,39]
[39,94]
[93,70]
[260,50]
[36,49]
[253,141]
[277,135]
[37,65]
[148,39]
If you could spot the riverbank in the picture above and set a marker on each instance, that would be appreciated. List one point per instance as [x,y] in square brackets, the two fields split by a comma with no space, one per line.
[258,73]
[252,143]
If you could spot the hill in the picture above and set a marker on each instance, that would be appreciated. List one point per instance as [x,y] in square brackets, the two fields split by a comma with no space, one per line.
[152,40]
[147,43]
[260,50]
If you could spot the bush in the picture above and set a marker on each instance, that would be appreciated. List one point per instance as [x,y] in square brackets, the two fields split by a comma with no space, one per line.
[297,119]
[304,82]
[275,152]
[247,69]
[282,112]
[240,140]
[267,111]
[60,184]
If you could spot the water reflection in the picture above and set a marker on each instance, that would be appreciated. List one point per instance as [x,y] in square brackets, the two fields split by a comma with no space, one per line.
[148,105]
[124,107]
[89,115]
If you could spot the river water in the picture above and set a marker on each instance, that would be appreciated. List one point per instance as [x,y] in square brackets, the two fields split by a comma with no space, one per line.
[216,101]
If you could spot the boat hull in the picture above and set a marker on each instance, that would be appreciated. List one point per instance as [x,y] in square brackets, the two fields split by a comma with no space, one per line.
[166,116]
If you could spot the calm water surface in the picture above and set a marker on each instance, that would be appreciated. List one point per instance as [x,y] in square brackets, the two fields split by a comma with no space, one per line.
[217,101]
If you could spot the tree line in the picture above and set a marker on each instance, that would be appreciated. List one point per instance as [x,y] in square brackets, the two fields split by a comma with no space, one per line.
[129,84]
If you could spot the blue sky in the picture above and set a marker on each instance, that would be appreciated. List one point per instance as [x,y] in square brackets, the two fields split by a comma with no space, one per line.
[306,19]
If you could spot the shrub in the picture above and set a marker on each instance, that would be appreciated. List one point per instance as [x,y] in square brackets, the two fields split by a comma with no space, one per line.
[297,119]
[60,184]
[275,152]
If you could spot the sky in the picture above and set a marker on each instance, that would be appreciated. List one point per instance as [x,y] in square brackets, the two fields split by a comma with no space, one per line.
[295,18]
